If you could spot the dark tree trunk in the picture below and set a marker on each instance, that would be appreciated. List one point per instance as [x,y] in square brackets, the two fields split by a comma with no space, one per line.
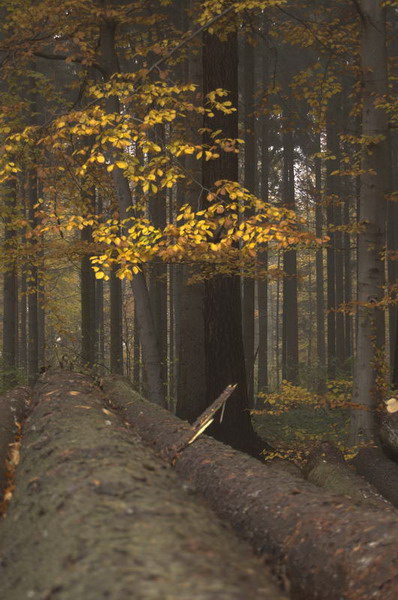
[290,352]
[249,184]
[320,288]
[87,292]
[225,363]
[331,189]
[191,383]
[10,298]
[116,323]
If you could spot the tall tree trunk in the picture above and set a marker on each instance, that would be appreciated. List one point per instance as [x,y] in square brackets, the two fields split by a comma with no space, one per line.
[9,290]
[191,383]
[146,329]
[249,183]
[290,353]
[33,283]
[368,384]
[87,292]
[331,197]
[225,363]
[320,293]
[116,323]
[262,284]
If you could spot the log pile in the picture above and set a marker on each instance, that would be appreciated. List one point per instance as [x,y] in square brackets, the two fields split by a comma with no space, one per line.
[331,549]
[13,405]
[96,514]
[380,471]
[327,468]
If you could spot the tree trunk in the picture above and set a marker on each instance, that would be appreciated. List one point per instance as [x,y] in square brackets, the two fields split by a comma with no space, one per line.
[225,362]
[116,323]
[320,288]
[249,184]
[323,540]
[368,376]
[332,190]
[87,292]
[191,383]
[96,515]
[146,329]
[10,297]
[290,352]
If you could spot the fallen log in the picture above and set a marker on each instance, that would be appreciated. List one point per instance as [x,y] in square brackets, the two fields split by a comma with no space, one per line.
[96,515]
[12,408]
[380,471]
[388,431]
[327,468]
[330,549]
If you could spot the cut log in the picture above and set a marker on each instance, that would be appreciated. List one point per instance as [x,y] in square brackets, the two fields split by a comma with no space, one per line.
[380,471]
[389,429]
[97,515]
[12,409]
[331,549]
[327,468]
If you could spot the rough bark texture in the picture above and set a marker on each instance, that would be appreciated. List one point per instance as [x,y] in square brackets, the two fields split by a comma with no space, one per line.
[367,391]
[379,471]
[12,408]
[331,549]
[96,515]
[327,468]
[224,351]
[389,434]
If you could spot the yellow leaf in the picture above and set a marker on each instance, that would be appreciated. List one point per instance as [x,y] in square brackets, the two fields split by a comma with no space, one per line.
[100,158]
[122,164]
[99,275]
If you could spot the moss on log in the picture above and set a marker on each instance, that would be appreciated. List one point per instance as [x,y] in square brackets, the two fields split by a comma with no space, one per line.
[12,409]
[97,515]
[331,549]
[327,468]
[380,471]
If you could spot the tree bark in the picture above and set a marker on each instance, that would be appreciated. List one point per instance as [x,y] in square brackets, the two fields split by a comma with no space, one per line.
[10,297]
[320,280]
[323,540]
[13,406]
[224,352]
[95,514]
[368,376]
[116,323]
[249,184]
[290,352]
[327,468]
[381,472]
[146,329]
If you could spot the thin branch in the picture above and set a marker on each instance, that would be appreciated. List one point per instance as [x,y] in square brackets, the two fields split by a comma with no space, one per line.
[193,35]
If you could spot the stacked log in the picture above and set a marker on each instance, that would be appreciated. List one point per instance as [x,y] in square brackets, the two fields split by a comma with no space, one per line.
[331,549]
[96,514]
[13,405]
[327,468]
[380,471]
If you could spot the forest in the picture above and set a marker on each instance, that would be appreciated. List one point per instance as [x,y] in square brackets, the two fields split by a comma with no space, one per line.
[199,299]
